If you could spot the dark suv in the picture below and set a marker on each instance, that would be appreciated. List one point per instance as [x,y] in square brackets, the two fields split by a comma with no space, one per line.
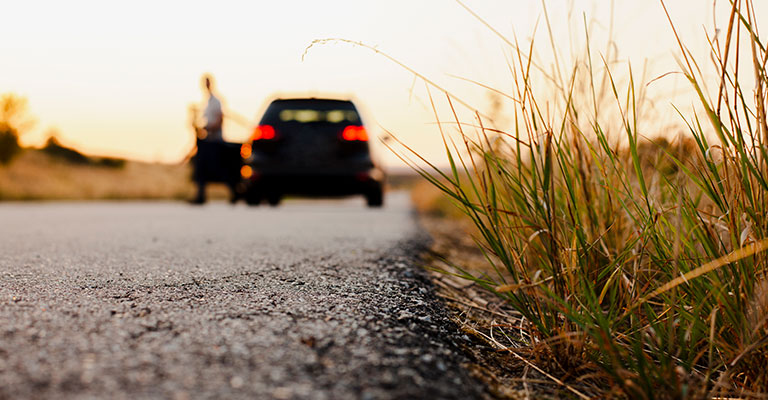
[310,147]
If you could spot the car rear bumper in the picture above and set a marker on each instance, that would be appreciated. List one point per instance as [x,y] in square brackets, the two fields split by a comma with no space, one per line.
[318,183]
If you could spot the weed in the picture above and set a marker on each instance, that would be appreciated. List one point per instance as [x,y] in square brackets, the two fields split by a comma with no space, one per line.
[645,260]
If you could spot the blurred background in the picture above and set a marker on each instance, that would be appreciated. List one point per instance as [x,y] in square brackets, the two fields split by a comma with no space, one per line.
[109,83]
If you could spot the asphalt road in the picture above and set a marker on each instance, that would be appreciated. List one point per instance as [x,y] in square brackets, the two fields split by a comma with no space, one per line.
[316,300]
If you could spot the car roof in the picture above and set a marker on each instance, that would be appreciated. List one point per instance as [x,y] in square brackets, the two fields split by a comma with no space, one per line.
[310,99]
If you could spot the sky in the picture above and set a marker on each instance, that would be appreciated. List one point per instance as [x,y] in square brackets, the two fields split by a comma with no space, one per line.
[117,78]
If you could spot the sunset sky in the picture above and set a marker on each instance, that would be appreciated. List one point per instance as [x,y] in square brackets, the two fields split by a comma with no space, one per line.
[117,78]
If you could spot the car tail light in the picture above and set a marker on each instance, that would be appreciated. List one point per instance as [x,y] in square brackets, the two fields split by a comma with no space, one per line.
[246,171]
[246,150]
[354,133]
[263,132]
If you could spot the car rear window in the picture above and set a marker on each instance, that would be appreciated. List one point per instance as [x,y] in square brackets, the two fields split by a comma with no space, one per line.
[305,115]
[311,111]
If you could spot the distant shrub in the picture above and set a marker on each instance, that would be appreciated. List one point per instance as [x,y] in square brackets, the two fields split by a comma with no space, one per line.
[9,144]
[109,162]
[54,148]
[13,122]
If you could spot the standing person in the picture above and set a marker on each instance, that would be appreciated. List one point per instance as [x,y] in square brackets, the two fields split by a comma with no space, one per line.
[209,140]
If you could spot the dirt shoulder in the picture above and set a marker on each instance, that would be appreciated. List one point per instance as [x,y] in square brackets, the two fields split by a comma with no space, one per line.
[500,354]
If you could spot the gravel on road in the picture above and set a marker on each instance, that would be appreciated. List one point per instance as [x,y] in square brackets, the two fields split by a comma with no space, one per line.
[312,300]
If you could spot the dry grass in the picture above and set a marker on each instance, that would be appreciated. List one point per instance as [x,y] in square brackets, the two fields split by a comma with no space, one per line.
[634,270]
[431,201]
[509,374]
[37,176]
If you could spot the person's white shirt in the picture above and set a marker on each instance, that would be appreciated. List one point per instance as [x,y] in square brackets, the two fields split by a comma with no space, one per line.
[211,115]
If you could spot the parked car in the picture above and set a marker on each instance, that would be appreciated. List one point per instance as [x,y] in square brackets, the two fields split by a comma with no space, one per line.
[310,147]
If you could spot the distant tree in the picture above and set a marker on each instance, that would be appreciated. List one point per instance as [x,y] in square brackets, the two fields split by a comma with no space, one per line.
[9,145]
[55,149]
[13,122]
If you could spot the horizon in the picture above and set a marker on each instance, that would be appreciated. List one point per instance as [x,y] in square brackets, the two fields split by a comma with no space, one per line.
[117,80]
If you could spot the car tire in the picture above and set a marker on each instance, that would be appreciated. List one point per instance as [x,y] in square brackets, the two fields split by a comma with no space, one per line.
[253,199]
[375,197]
[273,199]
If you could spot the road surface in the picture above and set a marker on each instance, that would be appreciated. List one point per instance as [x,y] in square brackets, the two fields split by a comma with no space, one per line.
[312,300]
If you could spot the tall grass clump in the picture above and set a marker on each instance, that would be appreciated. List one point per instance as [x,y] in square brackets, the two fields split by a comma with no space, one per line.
[646,261]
